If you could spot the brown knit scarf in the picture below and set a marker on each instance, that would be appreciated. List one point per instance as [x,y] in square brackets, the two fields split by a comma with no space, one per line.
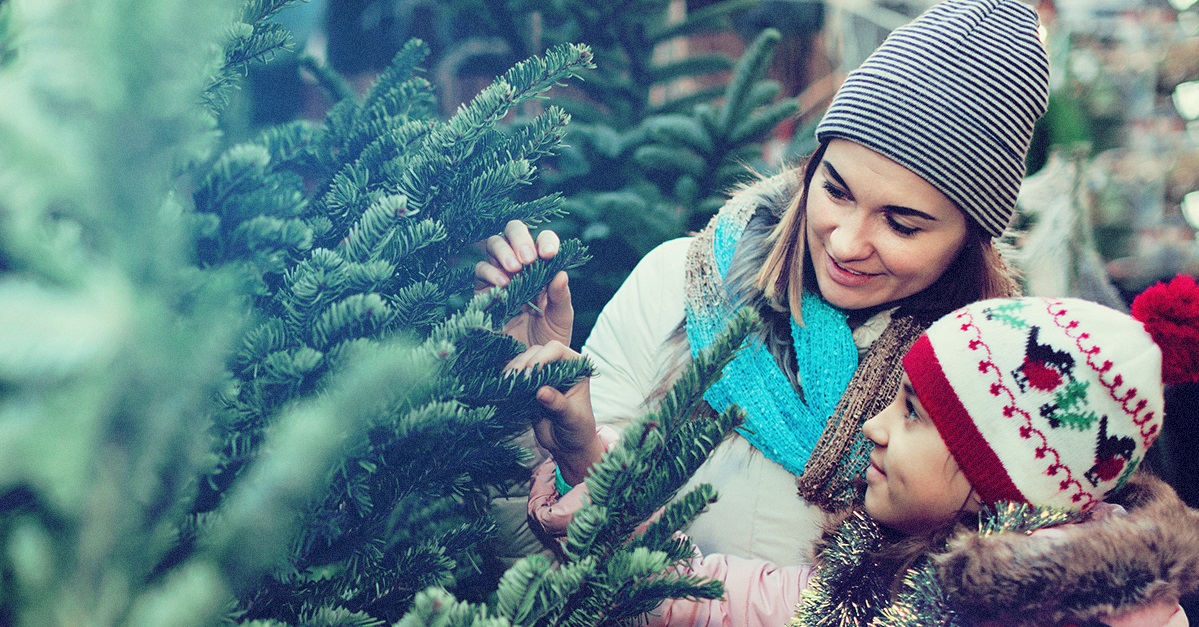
[843,452]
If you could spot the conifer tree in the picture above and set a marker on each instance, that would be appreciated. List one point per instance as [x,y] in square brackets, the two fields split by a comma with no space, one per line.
[349,231]
[252,383]
[114,344]
[391,197]
[615,574]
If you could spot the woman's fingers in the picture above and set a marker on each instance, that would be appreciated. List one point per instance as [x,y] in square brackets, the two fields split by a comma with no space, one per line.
[552,399]
[520,241]
[508,253]
[541,355]
[548,244]
[487,275]
[558,308]
[515,248]
[503,254]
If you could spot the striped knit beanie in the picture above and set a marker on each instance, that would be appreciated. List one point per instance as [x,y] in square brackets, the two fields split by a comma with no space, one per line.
[1053,401]
[952,96]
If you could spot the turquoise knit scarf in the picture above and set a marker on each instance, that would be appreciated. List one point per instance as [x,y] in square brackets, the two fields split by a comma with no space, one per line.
[781,424]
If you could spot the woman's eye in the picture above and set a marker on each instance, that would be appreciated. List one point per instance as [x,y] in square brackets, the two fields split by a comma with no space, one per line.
[902,229]
[912,415]
[834,191]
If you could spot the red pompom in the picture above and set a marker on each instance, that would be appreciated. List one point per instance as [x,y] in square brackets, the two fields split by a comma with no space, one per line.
[1170,312]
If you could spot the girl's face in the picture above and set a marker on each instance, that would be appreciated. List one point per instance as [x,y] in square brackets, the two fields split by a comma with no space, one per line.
[877,232]
[913,482]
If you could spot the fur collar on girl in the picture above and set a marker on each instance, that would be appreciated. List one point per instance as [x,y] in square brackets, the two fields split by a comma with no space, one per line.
[1021,568]
[1078,572]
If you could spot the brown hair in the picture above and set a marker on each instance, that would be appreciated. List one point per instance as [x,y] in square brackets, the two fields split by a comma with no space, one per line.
[781,277]
[900,552]
[978,272]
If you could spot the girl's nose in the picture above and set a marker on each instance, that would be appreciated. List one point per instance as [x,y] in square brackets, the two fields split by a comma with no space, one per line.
[874,431]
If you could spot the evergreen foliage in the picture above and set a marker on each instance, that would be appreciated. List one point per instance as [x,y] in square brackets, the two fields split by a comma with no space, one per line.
[114,345]
[349,231]
[251,383]
[618,566]
[628,189]
[656,146]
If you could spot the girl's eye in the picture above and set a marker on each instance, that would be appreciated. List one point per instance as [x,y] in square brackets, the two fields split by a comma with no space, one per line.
[834,191]
[902,229]
[912,415]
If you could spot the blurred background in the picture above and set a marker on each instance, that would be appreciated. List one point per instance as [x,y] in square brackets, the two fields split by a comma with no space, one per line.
[1118,149]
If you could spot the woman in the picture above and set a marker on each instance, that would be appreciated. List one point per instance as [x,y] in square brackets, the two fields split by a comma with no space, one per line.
[888,226]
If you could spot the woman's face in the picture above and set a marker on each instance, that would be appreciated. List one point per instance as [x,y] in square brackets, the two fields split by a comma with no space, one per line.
[877,232]
[913,483]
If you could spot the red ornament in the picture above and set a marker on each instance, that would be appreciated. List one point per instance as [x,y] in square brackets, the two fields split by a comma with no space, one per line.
[1170,313]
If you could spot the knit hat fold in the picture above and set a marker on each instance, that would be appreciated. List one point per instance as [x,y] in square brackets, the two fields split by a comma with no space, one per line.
[953,96]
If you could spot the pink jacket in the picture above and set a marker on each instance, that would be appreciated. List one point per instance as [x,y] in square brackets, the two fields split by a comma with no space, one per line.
[757,592]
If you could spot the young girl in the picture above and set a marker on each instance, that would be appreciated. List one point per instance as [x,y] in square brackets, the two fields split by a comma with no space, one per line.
[1002,486]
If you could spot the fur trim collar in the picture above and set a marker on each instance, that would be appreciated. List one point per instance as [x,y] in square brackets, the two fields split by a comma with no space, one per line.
[770,196]
[1082,571]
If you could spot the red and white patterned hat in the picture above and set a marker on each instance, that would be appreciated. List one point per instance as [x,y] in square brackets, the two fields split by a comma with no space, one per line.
[1054,401]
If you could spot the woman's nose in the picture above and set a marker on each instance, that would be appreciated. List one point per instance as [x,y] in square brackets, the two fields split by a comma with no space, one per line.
[850,239]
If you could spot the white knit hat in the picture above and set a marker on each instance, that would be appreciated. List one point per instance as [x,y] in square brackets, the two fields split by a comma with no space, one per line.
[953,96]
[1049,401]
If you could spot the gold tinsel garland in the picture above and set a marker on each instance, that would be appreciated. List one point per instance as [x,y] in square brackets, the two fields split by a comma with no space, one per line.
[849,589]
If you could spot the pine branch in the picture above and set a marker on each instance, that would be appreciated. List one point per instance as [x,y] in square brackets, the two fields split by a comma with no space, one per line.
[537,75]
[753,64]
[538,138]
[688,103]
[676,159]
[293,464]
[760,123]
[643,472]
[689,67]
[450,143]
[503,304]
[334,85]
[254,39]
[402,68]
[681,129]
[438,608]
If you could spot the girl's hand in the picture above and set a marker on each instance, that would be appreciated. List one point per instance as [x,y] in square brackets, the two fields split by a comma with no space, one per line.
[567,426]
[507,255]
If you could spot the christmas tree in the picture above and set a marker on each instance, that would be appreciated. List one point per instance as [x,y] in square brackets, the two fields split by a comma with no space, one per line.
[251,382]
[114,343]
[348,232]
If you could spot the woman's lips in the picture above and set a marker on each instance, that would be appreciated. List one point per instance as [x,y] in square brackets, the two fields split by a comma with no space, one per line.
[844,276]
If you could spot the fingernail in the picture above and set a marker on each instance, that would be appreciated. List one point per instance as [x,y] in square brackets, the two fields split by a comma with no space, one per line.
[527,254]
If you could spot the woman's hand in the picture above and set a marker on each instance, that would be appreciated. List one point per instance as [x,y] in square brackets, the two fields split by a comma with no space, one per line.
[567,428]
[507,255]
